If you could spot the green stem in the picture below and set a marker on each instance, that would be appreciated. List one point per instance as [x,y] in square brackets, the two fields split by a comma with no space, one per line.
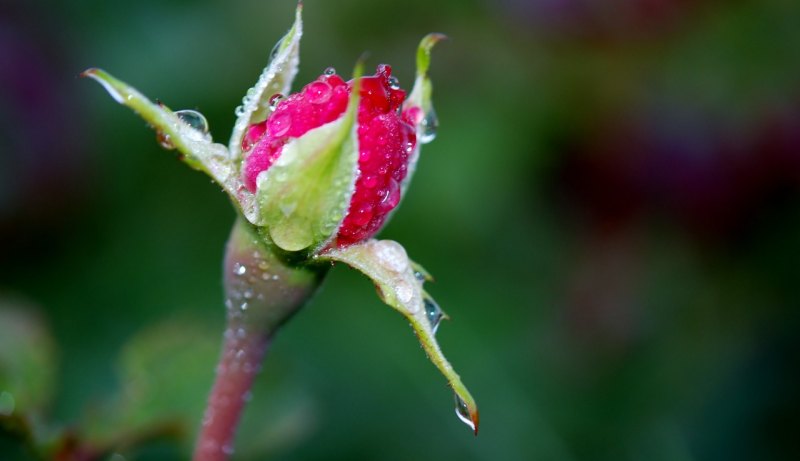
[262,292]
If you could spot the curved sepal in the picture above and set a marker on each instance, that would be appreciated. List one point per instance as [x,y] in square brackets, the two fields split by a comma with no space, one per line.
[399,282]
[276,78]
[305,195]
[195,145]
[419,101]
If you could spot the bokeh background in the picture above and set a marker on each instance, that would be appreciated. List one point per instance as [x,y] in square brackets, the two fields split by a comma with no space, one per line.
[611,210]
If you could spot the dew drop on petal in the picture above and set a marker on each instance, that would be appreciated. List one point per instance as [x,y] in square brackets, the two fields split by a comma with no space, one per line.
[318,92]
[279,124]
[330,71]
[394,83]
[274,100]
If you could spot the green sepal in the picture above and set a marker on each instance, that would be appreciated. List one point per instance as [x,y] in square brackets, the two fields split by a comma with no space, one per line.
[399,282]
[198,150]
[276,78]
[421,97]
[305,194]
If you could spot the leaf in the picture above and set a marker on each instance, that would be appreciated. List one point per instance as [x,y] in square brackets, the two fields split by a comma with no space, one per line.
[165,371]
[277,77]
[27,361]
[196,146]
[399,282]
[306,193]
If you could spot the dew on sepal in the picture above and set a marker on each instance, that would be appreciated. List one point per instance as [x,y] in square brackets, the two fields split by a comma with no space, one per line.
[433,312]
[428,127]
[194,119]
[463,413]
[391,255]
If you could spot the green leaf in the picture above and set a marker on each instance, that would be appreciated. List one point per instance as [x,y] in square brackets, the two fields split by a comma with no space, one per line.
[277,77]
[165,371]
[305,194]
[196,146]
[27,361]
[399,282]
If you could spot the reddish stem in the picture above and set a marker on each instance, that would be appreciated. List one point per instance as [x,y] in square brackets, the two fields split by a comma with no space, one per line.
[262,291]
[240,362]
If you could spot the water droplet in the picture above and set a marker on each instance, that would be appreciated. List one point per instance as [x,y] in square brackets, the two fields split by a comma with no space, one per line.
[279,124]
[318,92]
[394,83]
[391,255]
[239,111]
[287,208]
[405,293]
[462,411]
[419,276]
[241,333]
[194,119]
[429,126]
[330,71]
[239,269]
[245,305]
[274,100]
[434,313]
[248,294]
[164,140]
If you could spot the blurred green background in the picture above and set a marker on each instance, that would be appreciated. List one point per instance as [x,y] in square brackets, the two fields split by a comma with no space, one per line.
[611,210]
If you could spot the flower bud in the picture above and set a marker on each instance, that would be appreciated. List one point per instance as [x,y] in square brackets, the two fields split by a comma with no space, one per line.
[386,140]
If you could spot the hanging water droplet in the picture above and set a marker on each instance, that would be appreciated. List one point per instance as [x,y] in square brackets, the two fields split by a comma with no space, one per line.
[194,119]
[330,71]
[434,313]
[274,100]
[429,126]
[239,111]
[164,140]
[462,411]
[394,83]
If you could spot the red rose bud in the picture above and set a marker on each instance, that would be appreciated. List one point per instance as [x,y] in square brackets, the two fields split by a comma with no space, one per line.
[386,140]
